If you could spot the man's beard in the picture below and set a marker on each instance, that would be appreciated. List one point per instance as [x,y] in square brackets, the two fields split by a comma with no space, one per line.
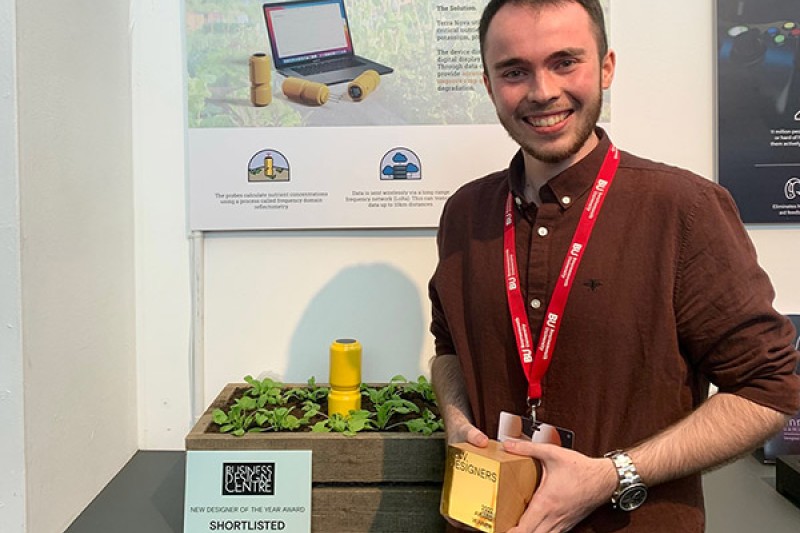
[585,128]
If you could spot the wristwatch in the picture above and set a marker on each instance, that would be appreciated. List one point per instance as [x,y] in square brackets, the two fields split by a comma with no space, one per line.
[631,492]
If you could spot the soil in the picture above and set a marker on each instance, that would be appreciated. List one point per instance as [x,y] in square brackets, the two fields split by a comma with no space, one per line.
[396,422]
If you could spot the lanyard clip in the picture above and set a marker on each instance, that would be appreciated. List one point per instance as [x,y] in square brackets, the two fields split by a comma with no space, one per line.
[533,403]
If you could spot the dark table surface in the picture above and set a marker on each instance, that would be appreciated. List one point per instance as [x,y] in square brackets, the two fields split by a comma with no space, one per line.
[147,497]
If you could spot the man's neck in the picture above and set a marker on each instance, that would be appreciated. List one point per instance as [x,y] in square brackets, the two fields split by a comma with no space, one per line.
[538,173]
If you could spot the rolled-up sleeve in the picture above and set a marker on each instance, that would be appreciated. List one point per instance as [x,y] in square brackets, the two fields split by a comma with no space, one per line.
[727,325]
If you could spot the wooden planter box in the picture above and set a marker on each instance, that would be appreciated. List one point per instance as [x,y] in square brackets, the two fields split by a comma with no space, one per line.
[371,482]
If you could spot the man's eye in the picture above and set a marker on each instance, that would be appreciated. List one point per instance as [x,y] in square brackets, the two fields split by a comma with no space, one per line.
[567,63]
[513,74]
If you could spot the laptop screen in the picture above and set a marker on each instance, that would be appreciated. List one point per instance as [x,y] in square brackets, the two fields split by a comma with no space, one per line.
[307,30]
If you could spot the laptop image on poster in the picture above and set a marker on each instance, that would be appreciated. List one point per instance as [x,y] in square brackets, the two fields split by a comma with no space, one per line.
[311,39]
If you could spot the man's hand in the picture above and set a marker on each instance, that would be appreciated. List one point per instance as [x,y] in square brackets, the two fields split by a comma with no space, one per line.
[572,486]
[451,395]
[466,432]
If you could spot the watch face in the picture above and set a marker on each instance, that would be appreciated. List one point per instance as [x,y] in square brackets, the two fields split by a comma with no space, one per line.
[632,497]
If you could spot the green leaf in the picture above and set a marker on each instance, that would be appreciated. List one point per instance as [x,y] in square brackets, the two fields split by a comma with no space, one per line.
[321,427]
[247,403]
[357,424]
[290,422]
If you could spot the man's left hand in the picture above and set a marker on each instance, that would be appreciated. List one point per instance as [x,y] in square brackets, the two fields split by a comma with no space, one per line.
[572,486]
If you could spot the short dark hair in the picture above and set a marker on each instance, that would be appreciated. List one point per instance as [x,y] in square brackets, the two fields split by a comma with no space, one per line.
[592,7]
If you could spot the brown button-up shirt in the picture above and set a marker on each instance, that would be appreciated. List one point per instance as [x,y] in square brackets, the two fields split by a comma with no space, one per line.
[668,297]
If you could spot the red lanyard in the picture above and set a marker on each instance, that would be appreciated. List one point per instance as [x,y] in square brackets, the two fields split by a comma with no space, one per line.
[535,363]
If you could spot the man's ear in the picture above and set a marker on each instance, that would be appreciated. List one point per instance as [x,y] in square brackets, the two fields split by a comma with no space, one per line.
[488,85]
[608,66]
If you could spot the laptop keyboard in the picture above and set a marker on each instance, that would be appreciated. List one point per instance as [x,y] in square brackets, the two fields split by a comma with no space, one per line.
[327,66]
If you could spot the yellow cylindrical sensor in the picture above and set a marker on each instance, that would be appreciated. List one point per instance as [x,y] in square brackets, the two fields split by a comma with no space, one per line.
[260,80]
[364,84]
[345,377]
[261,95]
[259,69]
[306,92]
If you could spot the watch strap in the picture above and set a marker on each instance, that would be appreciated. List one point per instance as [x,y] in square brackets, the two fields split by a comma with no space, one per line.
[628,478]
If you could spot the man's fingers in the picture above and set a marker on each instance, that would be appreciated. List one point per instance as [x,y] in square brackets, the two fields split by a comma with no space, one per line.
[477,438]
[533,449]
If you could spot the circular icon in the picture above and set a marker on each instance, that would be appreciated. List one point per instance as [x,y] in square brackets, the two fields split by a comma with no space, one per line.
[401,164]
[268,165]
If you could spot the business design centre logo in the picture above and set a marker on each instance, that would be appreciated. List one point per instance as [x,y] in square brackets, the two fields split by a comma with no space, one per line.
[248,479]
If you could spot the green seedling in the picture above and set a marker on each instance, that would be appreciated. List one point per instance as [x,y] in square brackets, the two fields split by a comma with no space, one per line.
[350,425]
[427,424]
[385,411]
[268,405]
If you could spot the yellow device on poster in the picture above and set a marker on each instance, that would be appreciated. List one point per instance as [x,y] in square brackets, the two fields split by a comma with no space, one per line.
[363,85]
[306,92]
[260,80]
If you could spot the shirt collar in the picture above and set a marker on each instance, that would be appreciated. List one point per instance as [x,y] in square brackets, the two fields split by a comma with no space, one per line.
[567,187]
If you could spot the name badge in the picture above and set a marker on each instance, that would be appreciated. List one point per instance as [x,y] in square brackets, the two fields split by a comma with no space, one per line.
[515,427]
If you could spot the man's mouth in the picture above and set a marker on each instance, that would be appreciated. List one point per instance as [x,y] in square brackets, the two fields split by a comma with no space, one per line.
[548,120]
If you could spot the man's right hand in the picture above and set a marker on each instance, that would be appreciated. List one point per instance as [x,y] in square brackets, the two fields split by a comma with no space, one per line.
[466,432]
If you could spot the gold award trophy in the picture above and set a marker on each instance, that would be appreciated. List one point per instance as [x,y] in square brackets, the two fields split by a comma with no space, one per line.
[487,488]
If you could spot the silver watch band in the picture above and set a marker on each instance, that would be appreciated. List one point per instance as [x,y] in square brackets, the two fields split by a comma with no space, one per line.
[631,491]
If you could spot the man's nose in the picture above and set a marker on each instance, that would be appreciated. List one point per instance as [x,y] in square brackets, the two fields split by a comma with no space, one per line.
[543,88]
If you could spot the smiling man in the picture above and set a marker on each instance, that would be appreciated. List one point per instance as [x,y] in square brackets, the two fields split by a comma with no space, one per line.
[601,291]
[547,97]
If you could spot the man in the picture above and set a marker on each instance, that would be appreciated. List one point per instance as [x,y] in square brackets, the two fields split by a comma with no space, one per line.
[664,296]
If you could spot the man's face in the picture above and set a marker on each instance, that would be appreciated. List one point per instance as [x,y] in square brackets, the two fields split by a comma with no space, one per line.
[545,78]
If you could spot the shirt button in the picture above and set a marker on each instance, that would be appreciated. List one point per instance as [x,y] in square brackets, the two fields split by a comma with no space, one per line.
[517,201]
[536,303]
[566,200]
[542,231]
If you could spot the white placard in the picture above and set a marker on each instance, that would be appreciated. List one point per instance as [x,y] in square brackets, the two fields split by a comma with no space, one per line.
[264,490]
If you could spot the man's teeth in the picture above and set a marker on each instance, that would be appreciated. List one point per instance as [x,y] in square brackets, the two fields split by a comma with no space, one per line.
[550,120]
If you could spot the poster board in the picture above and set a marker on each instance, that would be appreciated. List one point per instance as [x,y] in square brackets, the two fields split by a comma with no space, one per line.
[387,160]
[758,114]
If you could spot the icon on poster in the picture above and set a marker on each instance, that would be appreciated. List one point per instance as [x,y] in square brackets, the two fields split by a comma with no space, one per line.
[401,164]
[268,165]
[792,188]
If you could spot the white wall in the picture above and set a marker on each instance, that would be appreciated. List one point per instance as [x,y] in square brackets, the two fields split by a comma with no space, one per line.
[273,301]
[163,262]
[12,454]
[278,306]
[77,253]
